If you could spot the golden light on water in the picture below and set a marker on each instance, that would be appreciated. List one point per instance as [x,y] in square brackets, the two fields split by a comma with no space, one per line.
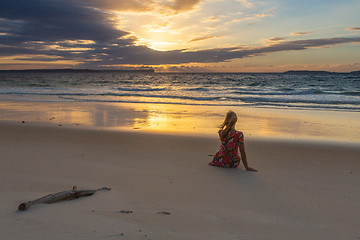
[172,118]
[44,112]
[187,119]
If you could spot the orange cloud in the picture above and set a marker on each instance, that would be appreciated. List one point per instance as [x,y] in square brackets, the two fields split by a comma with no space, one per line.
[301,33]
[353,29]
[246,3]
[184,5]
[211,19]
[203,38]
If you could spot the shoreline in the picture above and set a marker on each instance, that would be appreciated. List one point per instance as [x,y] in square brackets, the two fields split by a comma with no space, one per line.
[280,124]
[210,137]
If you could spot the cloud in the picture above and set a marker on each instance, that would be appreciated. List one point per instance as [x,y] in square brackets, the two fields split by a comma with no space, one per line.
[68,31]
[274,39]
[301,33]
[146,56]
[163,7]
[39,59]
[55,20]
[184,5]
[242,19]
[121,5]
[36,26]
[203,38]
[212,19]
[252,17]
[353,29]
[261,15]
[246,3]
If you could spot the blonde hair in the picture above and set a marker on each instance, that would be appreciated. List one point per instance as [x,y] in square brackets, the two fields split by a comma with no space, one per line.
[228,123]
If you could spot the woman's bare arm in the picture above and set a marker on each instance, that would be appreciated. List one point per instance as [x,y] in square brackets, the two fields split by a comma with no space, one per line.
[244,159]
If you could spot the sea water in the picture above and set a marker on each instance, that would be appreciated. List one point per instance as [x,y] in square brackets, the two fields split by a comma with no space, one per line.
[325,91]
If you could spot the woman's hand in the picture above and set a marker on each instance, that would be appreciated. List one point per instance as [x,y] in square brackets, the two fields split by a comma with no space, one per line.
[251,169]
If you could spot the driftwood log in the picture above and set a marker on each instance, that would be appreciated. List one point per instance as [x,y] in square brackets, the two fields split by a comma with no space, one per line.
[60,196]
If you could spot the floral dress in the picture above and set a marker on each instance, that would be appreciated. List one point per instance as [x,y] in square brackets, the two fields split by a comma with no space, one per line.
[227,155]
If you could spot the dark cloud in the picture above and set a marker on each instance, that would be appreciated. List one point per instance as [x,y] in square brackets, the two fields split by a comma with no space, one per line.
[53,20]
[176,6]
[146,56]
[121,5]
[274,39]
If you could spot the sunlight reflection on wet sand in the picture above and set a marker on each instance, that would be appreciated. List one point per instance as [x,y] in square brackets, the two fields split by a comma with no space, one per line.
[187,119]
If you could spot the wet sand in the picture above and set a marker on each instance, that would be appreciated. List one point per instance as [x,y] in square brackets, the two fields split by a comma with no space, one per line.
[330,126]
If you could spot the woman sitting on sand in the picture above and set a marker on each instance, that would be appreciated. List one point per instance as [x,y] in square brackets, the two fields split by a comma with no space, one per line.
[231,139]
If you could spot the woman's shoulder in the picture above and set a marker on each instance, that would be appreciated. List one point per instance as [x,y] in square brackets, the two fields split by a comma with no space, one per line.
[239,136]
[237,132]
[232,133]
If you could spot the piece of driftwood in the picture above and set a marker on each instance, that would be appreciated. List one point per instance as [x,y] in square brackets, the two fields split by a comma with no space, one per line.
[61,196]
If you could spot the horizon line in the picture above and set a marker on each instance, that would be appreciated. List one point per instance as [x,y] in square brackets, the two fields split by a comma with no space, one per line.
[154,70]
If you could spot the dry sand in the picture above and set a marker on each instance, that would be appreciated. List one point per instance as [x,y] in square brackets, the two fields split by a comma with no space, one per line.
[303,190]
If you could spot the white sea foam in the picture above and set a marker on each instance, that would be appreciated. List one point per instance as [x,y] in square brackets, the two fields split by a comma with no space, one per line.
[309,91]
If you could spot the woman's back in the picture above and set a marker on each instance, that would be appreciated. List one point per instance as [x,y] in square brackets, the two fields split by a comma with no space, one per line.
[231,140]
[227,155]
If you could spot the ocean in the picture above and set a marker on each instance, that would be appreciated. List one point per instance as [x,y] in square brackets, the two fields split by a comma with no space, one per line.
[311,90]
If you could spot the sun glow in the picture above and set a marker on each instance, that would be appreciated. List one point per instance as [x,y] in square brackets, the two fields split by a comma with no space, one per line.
[161,46]
[157,44]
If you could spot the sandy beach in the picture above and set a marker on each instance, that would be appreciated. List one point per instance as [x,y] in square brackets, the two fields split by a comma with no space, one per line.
[163,188]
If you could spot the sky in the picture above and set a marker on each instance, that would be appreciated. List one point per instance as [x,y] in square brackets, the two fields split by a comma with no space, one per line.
[181,35]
